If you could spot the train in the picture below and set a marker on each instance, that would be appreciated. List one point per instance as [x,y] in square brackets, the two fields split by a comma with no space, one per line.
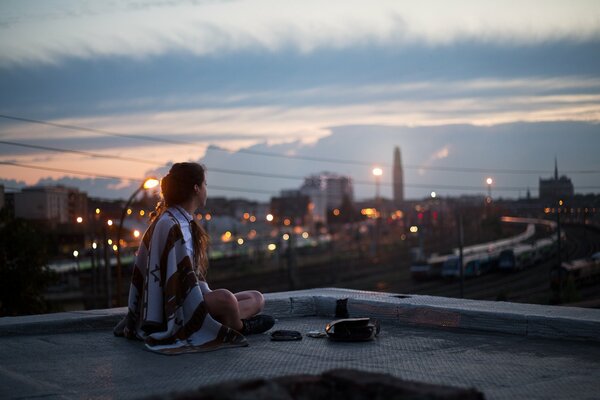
[526,255]
[508,254]
[581,272]
[475,264]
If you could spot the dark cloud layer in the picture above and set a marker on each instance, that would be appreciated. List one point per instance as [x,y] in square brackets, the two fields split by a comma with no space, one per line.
[78,87]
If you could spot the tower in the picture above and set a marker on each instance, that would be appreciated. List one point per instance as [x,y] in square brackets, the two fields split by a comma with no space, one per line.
[556,188]
[398,178]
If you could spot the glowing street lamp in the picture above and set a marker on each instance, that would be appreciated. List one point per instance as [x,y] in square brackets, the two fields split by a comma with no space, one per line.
[489,182]
[377,172]
[76,255]
[149,183]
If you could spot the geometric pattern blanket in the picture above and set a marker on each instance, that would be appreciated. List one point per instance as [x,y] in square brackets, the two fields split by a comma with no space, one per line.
[166,307]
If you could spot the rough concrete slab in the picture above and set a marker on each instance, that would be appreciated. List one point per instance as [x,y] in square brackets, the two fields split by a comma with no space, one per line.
[75,321]
[95,364]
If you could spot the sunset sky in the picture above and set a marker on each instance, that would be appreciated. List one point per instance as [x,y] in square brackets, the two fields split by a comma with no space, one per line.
[266,92]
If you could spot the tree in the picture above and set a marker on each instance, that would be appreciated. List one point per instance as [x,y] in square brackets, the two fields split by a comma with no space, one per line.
[24,274]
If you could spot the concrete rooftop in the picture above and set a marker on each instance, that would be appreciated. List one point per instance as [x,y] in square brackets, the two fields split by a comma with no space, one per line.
[505,350]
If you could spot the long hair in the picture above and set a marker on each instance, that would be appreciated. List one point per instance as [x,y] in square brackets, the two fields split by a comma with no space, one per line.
[177,187]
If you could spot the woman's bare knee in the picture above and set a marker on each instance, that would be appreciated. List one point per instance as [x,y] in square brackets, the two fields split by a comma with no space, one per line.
[259,299]
[222,305]
[251,302]
[221,301]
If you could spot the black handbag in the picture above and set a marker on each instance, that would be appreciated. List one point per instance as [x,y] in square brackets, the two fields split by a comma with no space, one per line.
[353,329]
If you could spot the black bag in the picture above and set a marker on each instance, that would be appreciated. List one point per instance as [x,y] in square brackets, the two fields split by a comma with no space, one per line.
[353,329]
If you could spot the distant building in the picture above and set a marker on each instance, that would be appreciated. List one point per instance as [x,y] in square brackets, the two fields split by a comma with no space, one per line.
[291,205]
[398,178]
[235,208]
[326,191]
[2,197]
[556,188]
[57,204]
[77,205]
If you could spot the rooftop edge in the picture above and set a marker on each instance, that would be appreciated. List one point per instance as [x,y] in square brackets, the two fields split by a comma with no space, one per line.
[552,322]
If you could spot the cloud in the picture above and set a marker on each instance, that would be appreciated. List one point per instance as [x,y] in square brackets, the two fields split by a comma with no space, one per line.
[307,115]
[516,146]
[42,32]
[440,154]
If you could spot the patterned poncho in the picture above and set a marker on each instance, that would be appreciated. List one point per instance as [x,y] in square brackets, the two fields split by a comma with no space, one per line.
[166,304]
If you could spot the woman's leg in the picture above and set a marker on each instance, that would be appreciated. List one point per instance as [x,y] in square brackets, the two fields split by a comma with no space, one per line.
[250,303]
[223,306]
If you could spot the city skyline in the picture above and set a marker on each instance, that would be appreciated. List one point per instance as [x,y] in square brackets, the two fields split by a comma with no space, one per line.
[442,170]
[140,86]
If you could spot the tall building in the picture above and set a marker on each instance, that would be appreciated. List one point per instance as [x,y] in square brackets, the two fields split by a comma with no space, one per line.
[291,204]
[398,178]
[43,203]
[556,188]
[327,191]
[51,203]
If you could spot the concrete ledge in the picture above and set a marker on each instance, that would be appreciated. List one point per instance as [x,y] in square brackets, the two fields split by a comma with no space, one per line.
[74,321]
[552,322]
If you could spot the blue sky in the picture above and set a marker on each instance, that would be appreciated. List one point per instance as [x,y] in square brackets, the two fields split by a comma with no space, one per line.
[479,84]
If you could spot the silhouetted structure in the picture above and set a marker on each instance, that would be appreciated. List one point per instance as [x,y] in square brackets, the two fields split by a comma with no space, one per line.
[291,205]
[398,178]
[326,191]
[51,203]
[556,188]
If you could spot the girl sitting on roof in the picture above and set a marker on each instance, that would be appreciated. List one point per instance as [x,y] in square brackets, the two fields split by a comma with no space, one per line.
[170,305]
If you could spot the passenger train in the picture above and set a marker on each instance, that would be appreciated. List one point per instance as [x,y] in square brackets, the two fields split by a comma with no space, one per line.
[513,253]
[581,272]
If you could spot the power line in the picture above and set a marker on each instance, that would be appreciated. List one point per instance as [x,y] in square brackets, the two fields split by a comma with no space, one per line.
[298,157]
[226,171]
[225,188]
[112,177]
[81,152]
[69,171]
[99,131]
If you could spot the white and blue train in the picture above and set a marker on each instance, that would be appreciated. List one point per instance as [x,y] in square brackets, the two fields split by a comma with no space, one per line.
[513,253]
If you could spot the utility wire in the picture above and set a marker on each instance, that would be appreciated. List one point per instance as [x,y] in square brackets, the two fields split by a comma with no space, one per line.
[99,131]
[81,152]
[305,158]
[225,188]
[99,176]
[249,173]
[221,170]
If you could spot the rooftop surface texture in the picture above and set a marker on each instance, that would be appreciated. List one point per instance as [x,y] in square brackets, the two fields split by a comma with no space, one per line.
[504,350]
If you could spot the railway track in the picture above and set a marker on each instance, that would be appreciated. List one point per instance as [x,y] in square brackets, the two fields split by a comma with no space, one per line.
[530,285]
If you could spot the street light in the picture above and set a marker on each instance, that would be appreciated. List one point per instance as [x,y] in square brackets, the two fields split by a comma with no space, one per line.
[76,255]
[377,172]
[148,183]
[489,182]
